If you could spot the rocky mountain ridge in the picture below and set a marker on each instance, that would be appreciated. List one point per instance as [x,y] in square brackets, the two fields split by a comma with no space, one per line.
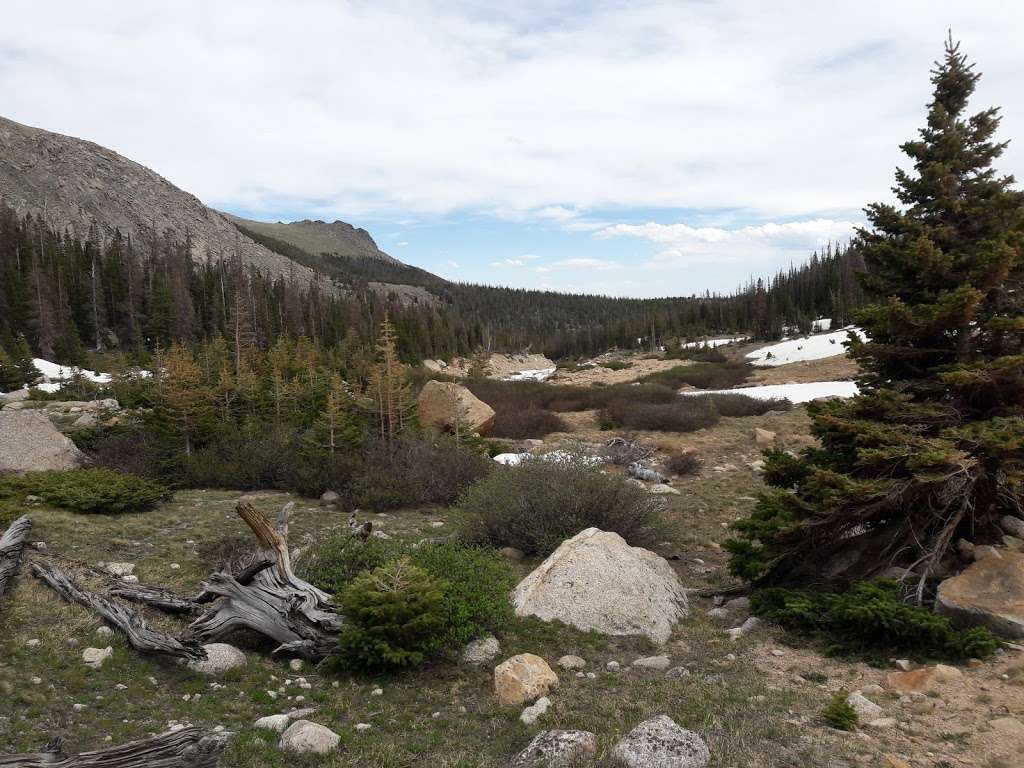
[336,238]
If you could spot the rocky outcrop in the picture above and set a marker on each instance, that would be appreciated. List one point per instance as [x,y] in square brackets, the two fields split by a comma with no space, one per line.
[596,581]
[76,184]
[442,404]
[523,678]
[29,443]
[989,592]
[335,238]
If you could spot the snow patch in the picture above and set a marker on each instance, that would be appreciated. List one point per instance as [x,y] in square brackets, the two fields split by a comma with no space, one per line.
[539,374]
[805,348]
[712,342]
[515,459]
[795,393]
[54,373]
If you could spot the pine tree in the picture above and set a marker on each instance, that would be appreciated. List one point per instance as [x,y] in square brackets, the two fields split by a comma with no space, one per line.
[933,447]
[388,395]
[183,402]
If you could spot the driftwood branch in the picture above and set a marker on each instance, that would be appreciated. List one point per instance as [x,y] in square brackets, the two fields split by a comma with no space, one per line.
[131,624]
[186,748]
[155,597]
[11,545]
[274,602]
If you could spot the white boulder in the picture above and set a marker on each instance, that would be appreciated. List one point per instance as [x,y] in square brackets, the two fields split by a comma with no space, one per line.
[661,743]
[304,737]
[220,657]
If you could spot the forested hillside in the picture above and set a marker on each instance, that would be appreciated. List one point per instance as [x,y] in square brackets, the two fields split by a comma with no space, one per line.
[68,295]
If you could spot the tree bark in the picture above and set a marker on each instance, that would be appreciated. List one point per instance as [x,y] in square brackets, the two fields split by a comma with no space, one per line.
[186,748]
[275,603]
[131,624]
[11,544]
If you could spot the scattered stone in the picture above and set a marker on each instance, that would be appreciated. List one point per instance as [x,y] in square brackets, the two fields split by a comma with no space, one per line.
[891,761]
[965,549]
[662,488]
[596,581]
[95,657]
[444,404]
[295,665]
[377,692]
[613,666]
[119,569]
[523,678]
[220,657]
[989,592]
[532,714]
[557,749]
[103,632]
[677,672]
[865,708]
[360,727]
[764,438]
[1012,525]
[661,743]
[572,662]
[511,553]
[304,736]
[33,643]
[904,665]
[640,472]
[922,680]
[658,663]
[481,651]
[745,628]
[329,497]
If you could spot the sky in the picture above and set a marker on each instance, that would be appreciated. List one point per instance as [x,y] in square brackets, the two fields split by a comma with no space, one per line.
[623,148]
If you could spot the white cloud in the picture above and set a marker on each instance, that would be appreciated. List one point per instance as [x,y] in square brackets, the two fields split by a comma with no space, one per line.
[545,111]
[587,263]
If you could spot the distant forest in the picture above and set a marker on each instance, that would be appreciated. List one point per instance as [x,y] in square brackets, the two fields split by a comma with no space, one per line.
[71,297]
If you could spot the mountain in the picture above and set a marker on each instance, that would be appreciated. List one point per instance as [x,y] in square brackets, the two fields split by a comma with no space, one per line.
[317,237]
[75,184]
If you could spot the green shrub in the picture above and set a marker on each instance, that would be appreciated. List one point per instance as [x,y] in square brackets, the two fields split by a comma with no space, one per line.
[528,422]
[684,414]
[541,502]
[683,463]
[739,404]
[839,713]
[870,619]
[476,599]
[89,491]
[393,619]
[702,375]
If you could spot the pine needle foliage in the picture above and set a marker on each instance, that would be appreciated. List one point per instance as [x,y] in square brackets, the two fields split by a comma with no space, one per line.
[933,447]
[839,714]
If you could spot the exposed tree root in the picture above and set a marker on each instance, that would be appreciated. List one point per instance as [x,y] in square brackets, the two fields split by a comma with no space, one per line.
[186,748]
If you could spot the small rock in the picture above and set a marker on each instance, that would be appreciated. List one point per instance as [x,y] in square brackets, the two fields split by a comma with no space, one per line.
[523,678]
[119,569]
[275,723]
[511,553]
[864,707]
[659,663]
[103,632]
[572,662]
[33,643]
[363,727]
[220,657]
[904,665]
[662,488]
[882,723]
[613,666]
[557,749]
[677,672]
[36,680]
[922,680]
[764,438]
[481,651]
[745,628]
[174,566]
[329,497]
[95,657]
[295,665]
[891,761]
[661,743]
[377,692]
[304,736]
[1012,525]
[532,714]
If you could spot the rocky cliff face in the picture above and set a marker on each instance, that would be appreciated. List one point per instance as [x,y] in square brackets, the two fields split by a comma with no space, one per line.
[74,184]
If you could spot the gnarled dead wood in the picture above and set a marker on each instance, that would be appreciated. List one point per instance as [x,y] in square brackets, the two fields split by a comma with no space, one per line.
[276,603]
[11,544]
[186,748]
[155,597]
[131,624]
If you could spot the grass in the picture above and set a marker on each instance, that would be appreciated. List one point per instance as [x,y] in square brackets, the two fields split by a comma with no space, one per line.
[443,714]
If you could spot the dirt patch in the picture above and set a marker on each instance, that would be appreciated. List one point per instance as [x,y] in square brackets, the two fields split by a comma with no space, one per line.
[599,375]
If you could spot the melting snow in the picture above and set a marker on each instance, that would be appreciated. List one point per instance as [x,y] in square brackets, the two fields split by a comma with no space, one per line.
[54,373]
[539,374]
[515,459]
[713,342]
[795,393]
[805,348]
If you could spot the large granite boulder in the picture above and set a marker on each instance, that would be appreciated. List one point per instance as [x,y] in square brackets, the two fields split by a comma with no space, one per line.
[661,743]
[306,737]
[442,404]
[30,443]
[989,592]
[596,581]
[523,678]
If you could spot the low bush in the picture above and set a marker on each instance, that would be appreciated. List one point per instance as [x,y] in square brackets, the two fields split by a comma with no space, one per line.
[870,619]
[683,463]
[539,503]
[617,365]
[88,491]
[529,422]
[478,580]
[702,375]
[393,619]
[698,355]
[839,713]
[739,404]
[683,414]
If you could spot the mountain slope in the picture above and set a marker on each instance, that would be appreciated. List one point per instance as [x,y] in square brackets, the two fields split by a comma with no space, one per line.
[318,237]
[74,184]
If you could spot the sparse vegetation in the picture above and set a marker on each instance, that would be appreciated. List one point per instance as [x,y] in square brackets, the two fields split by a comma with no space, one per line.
[702,375]
[683,463]
[839,714]
[684,414]
[537,505]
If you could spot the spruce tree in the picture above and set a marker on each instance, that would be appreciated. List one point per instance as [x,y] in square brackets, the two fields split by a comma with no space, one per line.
[932,449]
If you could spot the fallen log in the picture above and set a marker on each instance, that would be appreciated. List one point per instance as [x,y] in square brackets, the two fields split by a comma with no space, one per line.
[185,748]
[131,624]
[164,600]
[11,544]
[275,603]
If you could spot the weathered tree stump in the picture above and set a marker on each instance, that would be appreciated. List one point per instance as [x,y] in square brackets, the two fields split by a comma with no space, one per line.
[11,545]
[131,624]
[186,748]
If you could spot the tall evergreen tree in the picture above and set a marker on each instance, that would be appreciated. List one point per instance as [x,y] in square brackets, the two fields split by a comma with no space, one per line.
[933,447]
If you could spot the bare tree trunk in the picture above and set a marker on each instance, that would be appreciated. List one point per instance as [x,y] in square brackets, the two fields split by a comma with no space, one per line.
[131,624]
[11,544]
[186,748]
